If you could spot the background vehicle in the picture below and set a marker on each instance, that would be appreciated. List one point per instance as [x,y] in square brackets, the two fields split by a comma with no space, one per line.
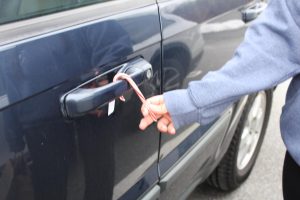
[60,138]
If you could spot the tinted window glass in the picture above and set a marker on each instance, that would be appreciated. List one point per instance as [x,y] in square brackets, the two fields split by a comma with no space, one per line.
[13,10]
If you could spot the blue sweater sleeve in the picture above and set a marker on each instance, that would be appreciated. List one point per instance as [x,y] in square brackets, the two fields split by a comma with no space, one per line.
[269,54]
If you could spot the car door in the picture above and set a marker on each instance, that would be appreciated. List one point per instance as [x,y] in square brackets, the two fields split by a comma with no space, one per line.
[64,132]
[198,36]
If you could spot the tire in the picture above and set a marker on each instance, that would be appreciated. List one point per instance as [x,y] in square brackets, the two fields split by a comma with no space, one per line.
[236,165]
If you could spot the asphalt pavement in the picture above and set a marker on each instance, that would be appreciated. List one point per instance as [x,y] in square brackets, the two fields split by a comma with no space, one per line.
[265,180]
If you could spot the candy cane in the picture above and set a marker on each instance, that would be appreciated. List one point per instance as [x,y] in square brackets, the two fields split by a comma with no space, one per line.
[123,76]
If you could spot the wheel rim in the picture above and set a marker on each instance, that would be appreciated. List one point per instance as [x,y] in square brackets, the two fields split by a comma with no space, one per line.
[252,130]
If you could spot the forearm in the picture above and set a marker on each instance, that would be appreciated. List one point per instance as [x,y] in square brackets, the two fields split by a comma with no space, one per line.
[269,55]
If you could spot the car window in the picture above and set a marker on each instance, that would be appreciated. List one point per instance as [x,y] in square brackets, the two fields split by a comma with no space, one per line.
[14,10]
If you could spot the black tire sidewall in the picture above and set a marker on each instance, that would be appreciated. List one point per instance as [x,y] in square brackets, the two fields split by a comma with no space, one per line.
[241,175]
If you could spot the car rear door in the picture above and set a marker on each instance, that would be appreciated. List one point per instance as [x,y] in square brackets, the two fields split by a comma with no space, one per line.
[64,134]
[198,36]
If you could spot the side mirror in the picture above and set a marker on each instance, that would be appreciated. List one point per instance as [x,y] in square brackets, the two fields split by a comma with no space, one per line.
[252,12]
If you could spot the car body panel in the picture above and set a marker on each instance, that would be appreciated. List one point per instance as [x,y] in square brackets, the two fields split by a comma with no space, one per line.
[44,155]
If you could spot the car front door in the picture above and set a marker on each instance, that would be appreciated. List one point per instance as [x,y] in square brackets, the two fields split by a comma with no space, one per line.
[64,132]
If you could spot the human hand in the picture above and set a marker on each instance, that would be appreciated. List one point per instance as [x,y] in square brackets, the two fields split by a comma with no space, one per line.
[158,107]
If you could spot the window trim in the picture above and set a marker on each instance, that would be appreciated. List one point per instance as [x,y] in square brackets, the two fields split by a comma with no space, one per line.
[41,25]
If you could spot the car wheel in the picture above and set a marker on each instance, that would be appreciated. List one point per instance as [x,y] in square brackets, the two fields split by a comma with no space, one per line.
[240,158]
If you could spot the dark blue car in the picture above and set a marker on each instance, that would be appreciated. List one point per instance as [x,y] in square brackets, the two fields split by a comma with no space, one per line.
[64,133]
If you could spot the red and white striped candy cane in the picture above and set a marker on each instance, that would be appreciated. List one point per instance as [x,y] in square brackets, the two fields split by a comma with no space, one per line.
[123,76]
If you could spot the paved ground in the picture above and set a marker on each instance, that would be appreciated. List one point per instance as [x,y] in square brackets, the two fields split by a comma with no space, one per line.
[265,179]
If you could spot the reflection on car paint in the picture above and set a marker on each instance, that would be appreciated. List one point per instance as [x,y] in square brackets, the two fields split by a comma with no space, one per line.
[43,155]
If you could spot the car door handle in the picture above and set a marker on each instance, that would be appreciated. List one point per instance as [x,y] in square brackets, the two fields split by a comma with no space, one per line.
[252,12]
[81,101]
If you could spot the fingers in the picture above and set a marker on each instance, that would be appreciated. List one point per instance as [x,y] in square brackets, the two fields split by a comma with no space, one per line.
[144,110]
[157,105]
[162,124]
[160,109]
[171,129]
[157,109]
[145,122]
[165,125]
